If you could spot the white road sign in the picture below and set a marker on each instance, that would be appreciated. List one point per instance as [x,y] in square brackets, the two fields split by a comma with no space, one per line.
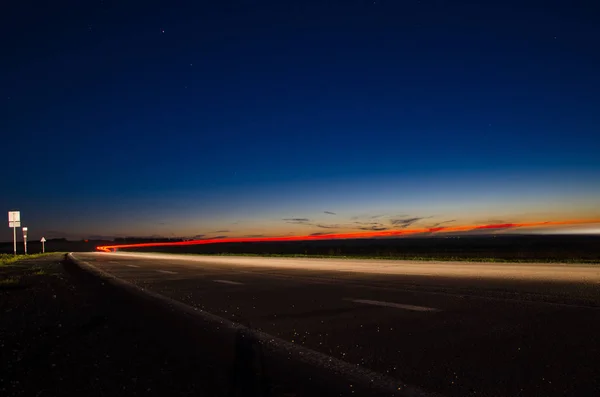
[14,221]
[14,218]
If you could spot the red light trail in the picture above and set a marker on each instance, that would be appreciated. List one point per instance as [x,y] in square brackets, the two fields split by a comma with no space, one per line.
[338,236]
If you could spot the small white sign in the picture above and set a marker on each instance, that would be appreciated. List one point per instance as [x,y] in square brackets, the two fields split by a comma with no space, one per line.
[14,218]
[43,240]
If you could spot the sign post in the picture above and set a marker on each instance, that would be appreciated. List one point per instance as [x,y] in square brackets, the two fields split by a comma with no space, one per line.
[43,240]
[14,221]
[25,238]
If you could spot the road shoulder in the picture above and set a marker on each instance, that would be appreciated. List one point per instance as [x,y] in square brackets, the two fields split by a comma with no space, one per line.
[65,332]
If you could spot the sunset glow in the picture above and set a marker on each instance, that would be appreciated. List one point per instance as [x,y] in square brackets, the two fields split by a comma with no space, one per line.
[335,236]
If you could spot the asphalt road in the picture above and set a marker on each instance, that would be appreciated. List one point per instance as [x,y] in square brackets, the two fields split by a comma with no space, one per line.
[452,328]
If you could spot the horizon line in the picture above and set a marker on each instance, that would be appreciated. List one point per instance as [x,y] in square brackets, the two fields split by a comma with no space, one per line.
[356,235]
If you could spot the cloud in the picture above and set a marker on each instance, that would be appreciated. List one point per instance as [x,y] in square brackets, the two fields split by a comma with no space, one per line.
[198,236]
[374,228]
[367,216]
[300,221]
[215,237]
[443,222]
[221,231]
[378,216]
[329,212]
[328,226]
[402,223]
[254,235]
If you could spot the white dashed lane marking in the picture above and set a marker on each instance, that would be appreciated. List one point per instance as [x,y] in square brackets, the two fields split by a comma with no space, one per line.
[166,272]
[132,265]
[395,305]
[227,282]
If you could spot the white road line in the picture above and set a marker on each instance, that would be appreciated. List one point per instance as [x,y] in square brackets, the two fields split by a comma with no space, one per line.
[166,272]
[115,262]
[228,282]
[396,305]
[131,265]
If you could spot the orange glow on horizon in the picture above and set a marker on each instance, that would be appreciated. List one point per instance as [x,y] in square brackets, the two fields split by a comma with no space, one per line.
[339,236]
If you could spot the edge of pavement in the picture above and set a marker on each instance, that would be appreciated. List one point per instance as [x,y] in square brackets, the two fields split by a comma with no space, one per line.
[310,363]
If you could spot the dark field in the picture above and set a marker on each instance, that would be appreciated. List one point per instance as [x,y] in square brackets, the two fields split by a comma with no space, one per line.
[508,248]
[484,248]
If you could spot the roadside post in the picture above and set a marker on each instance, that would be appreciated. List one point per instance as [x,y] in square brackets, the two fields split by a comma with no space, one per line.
[43,240]
[14,221]
[25,238]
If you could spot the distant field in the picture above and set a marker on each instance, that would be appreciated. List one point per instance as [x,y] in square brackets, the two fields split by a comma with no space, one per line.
[513,248]
[526,249]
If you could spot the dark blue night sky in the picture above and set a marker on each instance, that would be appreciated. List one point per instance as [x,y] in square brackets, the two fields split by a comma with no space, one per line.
[238,117]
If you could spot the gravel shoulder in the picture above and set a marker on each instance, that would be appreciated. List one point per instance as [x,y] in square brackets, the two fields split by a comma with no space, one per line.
[64,332]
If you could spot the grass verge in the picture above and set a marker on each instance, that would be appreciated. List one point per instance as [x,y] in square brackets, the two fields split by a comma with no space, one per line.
[9,282]
[39,272]
[7,259]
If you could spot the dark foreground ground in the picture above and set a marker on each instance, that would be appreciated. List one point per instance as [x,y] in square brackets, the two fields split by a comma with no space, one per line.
[64,332]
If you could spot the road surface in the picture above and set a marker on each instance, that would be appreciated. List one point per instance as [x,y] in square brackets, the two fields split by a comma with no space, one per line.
[452,328]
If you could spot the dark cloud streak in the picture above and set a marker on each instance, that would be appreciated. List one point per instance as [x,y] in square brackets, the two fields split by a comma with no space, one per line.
[374,228]
[301,221]
[328,226]
[442,223]
[403,223]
